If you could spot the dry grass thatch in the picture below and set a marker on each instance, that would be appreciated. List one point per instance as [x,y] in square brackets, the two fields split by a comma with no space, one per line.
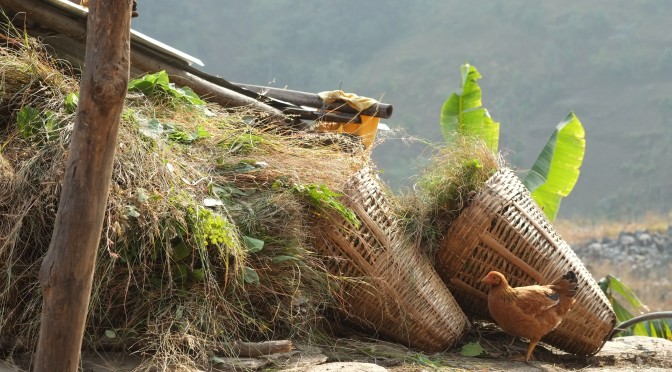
[181,270]
[195,189]
[455,174]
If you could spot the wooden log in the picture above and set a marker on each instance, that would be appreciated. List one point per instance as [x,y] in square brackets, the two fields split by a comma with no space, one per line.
[380,110]
[47,15]
[66,274]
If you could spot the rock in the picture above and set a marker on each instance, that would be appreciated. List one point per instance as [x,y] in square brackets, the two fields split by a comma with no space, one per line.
[644,239]
[637,351]
[626,239]
[238,364]
[300,361]
[345,367]
[660,242]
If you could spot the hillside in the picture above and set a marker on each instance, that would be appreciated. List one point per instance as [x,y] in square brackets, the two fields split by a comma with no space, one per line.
[605,60]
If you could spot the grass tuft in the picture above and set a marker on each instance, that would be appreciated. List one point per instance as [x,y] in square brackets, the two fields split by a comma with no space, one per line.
[445,187]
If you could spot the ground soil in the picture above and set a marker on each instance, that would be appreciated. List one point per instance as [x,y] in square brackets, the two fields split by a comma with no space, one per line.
[621,354]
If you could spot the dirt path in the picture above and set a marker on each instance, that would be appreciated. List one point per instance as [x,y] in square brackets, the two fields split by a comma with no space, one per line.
[622,354]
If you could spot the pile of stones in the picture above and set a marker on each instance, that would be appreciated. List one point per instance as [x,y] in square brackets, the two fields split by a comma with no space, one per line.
[641,252]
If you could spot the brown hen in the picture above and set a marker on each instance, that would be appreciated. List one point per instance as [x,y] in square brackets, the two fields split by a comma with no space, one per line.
[531,311]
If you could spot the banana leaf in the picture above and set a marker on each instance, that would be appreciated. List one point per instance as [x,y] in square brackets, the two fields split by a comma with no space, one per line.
[556,170]
[463,114]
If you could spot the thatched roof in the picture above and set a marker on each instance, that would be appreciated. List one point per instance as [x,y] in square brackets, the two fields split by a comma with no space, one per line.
[61,25]
[207,234]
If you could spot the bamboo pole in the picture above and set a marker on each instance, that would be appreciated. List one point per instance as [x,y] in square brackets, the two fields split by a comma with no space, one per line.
[379,110]
[66,274]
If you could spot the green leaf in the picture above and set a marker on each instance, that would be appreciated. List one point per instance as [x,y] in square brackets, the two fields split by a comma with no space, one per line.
[283,258]
[50,123]
[667,333]
[180,251]
[151,128]
[622,314]
[652,330]
[188,95]
[178,135]
[253,245]
[628,294]
[70,102]
[472,349]
[198,274]
[556,170]
[29,121]
[462,114]
[425,361]
[227,191]
[159,82]
[322,197]
[250,275]
[110,334]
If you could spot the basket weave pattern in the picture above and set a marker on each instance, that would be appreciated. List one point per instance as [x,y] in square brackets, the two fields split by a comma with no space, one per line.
[390,287]
[503,229]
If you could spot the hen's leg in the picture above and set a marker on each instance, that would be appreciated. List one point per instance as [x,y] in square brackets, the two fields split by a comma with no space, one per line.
[530,348]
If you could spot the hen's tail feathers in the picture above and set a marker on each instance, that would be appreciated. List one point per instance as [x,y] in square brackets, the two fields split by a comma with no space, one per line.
[568,284]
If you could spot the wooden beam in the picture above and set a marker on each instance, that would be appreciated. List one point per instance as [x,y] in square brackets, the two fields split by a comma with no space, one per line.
[204,88]
[75,28]
[66,274]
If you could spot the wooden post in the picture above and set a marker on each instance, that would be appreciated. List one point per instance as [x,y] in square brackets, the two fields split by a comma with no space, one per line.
[66,274]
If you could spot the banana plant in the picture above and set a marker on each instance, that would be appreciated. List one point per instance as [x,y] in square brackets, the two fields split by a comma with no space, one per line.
[553,175]
[463,114]
[556,170]
[614,287]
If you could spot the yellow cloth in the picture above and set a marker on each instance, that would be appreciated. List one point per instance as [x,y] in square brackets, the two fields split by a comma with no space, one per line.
[359,103]
[366,130]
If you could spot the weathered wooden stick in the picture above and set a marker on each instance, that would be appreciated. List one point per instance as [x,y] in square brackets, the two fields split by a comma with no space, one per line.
[255,349]
[332,117]
[380,110]
[66,274]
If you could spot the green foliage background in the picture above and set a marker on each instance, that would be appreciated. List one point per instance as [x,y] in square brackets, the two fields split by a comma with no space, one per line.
[606,60]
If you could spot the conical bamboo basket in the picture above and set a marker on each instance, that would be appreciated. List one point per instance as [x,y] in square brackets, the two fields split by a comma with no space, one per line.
[388,286]
[503,229]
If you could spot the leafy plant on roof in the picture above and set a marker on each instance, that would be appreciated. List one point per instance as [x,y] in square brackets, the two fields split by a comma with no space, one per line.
[556,170]
[159,83]
[34,124]
[324,198]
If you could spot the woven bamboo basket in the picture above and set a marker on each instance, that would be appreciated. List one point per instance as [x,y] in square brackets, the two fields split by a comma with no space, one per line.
[389,286]
[503,229]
